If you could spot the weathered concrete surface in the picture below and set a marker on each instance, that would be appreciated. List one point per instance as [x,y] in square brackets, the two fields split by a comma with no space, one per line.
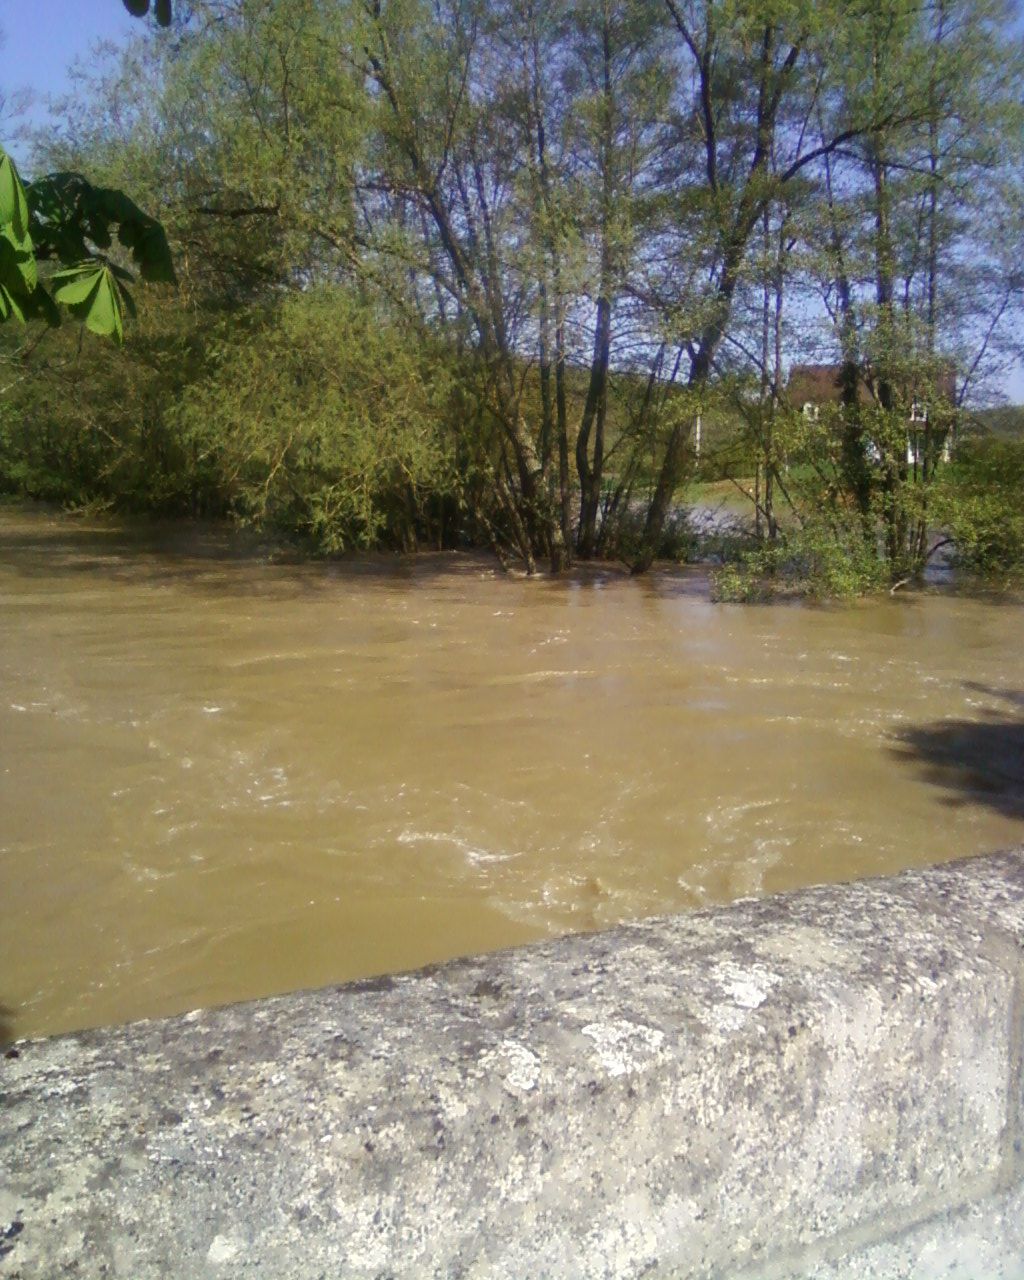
[825,1084]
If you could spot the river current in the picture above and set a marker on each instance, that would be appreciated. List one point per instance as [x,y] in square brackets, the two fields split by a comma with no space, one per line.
[225,774]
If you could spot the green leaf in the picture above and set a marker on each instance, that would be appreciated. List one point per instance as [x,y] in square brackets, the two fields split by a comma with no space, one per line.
[146,239]
[102,311]
[17,262]
[96,228]
[70,219]
[74,286]
[56,204]
[10,306]
[126,299]
[162,9]
[137,8]
[92,294]
[13,203]
[71,216]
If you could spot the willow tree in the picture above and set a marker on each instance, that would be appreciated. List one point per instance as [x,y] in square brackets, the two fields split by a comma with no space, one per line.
[450,147]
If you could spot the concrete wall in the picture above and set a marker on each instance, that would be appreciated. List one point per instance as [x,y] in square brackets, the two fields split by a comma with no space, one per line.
[824,1084]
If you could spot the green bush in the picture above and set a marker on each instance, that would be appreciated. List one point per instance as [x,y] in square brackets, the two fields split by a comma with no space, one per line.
[818,561]
[980,503]
[85,423]
[325,421]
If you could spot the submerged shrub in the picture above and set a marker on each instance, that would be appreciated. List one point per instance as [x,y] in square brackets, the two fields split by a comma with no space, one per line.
[326,421]
[85,423]
[981,505]
[816,561]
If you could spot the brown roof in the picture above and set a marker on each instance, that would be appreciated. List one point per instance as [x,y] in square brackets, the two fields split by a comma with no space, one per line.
[815,384]
[823,384]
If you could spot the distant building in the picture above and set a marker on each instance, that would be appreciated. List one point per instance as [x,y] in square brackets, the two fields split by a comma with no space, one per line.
[810,386]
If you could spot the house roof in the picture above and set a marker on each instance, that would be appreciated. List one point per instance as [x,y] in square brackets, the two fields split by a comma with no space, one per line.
[823,384]
[815,384]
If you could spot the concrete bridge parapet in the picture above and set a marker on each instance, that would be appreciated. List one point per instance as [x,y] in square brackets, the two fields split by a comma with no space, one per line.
[826,1083]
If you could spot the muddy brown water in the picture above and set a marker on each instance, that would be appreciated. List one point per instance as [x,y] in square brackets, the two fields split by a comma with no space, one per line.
[222,775]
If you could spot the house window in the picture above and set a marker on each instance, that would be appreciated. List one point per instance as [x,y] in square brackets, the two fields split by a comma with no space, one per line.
[811,411]
[918,412]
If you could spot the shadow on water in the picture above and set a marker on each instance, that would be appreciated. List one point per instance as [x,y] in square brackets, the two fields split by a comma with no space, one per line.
[977,762]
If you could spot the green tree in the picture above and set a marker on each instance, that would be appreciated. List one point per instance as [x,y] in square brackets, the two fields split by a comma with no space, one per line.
[751,77]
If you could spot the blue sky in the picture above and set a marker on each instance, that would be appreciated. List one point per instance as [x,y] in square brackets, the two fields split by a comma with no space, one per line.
[43,38]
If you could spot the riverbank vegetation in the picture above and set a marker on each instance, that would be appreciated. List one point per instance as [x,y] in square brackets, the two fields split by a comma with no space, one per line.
[522,274]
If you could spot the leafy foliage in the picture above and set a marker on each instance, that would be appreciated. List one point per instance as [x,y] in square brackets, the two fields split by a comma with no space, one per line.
[819,560]
[326,421]
[63,218]
[981,504]
[86,424]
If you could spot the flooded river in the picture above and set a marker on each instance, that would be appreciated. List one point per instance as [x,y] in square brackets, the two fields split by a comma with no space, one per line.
[223,775]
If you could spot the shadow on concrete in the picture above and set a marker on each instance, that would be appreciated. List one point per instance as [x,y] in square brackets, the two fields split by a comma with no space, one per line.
[975,761]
